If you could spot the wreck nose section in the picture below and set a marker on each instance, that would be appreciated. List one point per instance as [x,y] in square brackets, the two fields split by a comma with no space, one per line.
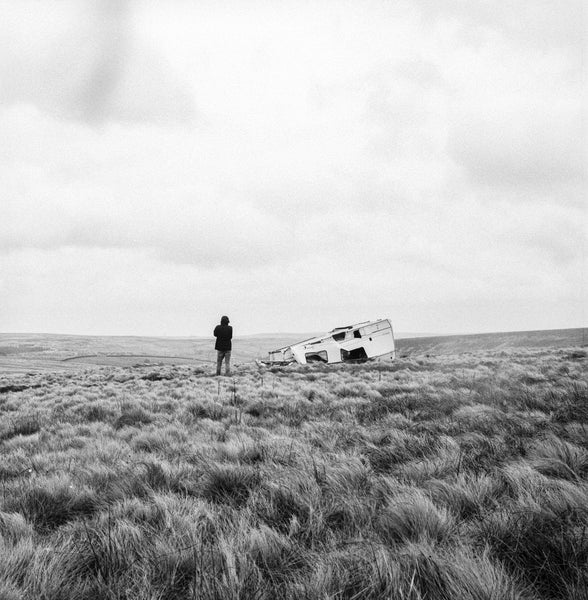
[298,354]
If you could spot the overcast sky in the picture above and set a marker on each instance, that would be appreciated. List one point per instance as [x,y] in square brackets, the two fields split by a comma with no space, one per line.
[295,165]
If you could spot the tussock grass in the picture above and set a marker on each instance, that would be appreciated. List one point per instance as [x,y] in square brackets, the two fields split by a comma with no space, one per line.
[51,504]
[242,451]
[443,464]
[14,526]
[287,508]
[231,484]
[24,425]
[394,448]
[429,572]
[114,484]
[458,477]
[460,496]
[205,410]
[167,441]
[132,417]
[413,517]
[558,458]
[96,412]
[574,406]
[360,571]
[548,551]
[481,453]
[276,555]
[17,559]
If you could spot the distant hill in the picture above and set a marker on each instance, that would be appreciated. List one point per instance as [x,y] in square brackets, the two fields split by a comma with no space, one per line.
[455,344]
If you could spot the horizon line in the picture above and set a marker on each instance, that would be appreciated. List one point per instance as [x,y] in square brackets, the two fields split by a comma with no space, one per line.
[283,333]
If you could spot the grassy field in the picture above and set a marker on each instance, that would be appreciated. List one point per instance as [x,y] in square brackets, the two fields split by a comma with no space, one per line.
[449,476]
[21,353]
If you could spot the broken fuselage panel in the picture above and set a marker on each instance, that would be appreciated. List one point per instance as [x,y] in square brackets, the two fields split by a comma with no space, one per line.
[353,343]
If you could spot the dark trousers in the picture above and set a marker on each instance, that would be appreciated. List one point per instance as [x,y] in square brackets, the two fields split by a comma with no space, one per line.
[220,354]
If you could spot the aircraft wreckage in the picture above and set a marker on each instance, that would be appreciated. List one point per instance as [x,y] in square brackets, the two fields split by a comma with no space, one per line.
[353,343]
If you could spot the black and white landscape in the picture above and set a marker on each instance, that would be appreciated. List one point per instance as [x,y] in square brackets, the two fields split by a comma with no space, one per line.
[298,166]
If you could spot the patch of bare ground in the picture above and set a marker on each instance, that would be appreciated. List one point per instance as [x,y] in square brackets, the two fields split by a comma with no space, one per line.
[459,477]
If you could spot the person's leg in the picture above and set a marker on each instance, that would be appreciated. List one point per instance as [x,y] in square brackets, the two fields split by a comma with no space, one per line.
[228,364]
[219,361]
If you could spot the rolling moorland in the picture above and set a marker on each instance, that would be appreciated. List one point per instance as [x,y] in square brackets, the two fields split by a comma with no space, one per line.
[458,471]
[22,353]
[41,352]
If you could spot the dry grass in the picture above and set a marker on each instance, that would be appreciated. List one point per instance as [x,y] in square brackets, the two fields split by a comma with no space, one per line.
[459,477]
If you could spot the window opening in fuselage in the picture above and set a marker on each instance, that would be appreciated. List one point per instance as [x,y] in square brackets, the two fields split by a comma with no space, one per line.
[358,354]
[316,356]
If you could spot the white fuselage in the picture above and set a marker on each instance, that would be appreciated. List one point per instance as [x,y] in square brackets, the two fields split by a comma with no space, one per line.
[354,343]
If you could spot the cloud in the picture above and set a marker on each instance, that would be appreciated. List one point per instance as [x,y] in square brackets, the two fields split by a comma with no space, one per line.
[348,160]
[528,140]
[89,65]
[538,23]
[133,291]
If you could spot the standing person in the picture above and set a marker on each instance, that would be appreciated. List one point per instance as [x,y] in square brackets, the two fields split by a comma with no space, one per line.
[223,334]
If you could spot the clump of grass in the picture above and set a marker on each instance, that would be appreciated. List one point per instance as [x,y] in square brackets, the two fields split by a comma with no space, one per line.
[276,555]
[428,403]
[206,410]
[356,388]
[350,477]
[398,447]
[519,480]
[549,552]
[152,514]
[17,560]
[96,412]
[349,516]
[574,404]
[425,571]
[459,499]
[14,527]
[564,498]
[289,509]
[97,557]
[480,453]
[242,451]
[50,507]
[231,484]
[117,484]
[557,458]
[481,418]
[25,425]
[166,440]
[413,517]
[445,463]
[365,571]
[173,574]
[259,409]
[157,475]
[132,417]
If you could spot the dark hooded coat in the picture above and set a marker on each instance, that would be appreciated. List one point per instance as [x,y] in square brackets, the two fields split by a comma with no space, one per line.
[223,334]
